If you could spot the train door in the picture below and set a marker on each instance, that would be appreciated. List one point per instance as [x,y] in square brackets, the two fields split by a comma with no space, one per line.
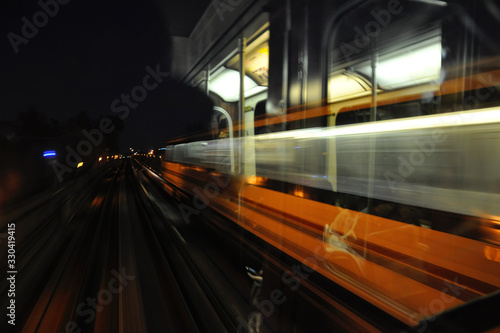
[237,84]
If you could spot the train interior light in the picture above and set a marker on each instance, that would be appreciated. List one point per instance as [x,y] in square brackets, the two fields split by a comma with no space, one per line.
[225,82]
[348,85]
[417,64]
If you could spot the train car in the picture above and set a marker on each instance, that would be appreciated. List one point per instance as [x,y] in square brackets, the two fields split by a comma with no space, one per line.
[360,139]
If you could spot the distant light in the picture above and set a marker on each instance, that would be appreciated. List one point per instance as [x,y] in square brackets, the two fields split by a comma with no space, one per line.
[100,159]
[79,165]
[49,153]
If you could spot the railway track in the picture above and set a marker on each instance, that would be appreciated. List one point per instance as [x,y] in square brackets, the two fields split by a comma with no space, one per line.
[101,267]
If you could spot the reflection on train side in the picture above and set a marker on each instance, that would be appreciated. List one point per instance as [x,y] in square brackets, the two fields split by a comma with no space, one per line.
[440,162]
[412,207]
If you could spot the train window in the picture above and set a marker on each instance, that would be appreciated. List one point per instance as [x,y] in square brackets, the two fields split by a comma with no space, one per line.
[225,80]
[397,59]
[256,61]
[411,59]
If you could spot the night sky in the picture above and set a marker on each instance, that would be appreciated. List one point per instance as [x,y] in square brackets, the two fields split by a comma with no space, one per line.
[90,53]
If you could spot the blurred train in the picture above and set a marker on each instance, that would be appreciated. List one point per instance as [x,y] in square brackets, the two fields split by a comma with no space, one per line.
[361,138]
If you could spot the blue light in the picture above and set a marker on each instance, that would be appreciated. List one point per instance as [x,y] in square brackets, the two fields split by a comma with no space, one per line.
[49,153]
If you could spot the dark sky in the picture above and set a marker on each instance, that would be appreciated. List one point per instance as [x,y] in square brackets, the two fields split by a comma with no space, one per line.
[89,54]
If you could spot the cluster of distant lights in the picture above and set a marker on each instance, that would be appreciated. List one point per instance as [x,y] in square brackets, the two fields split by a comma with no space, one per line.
[113,157]
[52,153]
[149,153]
